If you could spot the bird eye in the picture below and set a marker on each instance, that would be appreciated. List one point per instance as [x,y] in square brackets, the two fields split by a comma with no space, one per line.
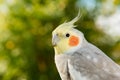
[67,35]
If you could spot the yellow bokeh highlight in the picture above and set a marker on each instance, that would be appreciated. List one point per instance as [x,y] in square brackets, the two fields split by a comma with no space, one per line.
[10,45]
[2,22]
[116,2]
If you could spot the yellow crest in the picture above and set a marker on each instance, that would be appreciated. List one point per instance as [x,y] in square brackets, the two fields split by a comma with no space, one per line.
[68,25]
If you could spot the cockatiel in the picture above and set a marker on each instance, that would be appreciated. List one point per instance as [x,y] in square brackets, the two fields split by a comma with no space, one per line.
[77,59]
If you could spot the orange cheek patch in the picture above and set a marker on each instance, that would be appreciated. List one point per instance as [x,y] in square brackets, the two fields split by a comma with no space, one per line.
[73,41]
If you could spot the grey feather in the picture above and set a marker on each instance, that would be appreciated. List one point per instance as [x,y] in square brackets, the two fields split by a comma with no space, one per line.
[103,69]
[87,67]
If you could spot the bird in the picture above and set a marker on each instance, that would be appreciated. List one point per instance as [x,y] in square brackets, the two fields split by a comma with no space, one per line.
[78,59]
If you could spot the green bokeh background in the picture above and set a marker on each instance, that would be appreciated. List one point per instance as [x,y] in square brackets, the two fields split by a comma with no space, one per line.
[26,51]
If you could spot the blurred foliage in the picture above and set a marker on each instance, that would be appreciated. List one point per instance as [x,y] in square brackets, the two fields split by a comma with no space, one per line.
[26,52]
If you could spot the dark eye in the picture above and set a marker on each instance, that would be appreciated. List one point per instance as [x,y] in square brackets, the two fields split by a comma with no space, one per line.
[67,35]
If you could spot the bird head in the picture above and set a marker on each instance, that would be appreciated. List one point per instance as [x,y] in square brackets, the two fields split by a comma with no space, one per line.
[65,38]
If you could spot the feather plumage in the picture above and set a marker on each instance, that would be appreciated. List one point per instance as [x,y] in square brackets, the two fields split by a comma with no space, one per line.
[83,61]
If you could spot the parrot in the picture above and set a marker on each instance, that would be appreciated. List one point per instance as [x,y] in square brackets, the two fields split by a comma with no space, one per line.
[78,59]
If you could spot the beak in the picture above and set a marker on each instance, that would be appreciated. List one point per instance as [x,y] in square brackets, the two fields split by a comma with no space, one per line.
[55,40]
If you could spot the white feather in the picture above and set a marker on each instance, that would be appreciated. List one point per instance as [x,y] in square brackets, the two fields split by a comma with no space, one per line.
[75,74]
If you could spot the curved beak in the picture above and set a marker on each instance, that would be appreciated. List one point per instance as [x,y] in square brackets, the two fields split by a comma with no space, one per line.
[55,40]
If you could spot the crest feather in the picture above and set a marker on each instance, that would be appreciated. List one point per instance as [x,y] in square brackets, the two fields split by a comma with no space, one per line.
[68,25]
[75,19]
